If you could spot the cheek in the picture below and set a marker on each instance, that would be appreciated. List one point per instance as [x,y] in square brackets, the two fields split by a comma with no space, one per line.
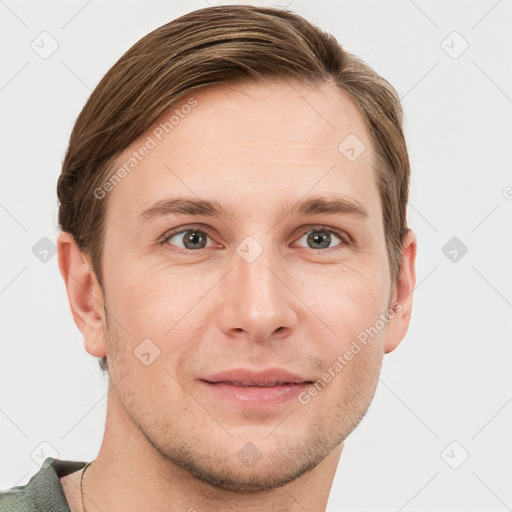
[156,295]
[157,311]
[358,379]
[352,347]
[352,370]
[348,298]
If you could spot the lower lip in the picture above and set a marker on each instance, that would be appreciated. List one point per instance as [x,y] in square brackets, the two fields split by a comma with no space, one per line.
[255,396]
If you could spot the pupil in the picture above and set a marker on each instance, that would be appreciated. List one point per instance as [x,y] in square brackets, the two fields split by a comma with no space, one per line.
[324,240]
[195,239]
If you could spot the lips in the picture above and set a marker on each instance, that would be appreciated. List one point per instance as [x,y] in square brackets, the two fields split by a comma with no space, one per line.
[254,390]
[266,378]
[250,384]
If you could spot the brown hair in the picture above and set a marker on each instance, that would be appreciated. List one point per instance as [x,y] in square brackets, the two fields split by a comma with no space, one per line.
[219,45]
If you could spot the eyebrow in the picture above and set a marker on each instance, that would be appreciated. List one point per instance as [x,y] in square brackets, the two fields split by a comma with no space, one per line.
[327,205]
[183,206]
[311,206]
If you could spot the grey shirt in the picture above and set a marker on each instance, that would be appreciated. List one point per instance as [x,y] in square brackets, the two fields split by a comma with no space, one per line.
[43,493]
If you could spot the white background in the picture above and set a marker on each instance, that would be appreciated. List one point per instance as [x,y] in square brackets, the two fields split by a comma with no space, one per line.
[449,380]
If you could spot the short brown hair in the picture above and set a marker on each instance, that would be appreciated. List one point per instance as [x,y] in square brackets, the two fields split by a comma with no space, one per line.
[219,45]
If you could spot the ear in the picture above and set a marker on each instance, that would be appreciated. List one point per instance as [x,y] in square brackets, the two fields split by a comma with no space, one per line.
[84,293]
[402,296]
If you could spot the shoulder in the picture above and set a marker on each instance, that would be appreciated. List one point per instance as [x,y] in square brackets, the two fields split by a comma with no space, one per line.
[43,492]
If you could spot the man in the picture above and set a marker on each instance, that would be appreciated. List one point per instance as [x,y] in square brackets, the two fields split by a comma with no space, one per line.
[235,249]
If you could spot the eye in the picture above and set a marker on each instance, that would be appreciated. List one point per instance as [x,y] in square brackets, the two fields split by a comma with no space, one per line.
[321,238]
[190,239]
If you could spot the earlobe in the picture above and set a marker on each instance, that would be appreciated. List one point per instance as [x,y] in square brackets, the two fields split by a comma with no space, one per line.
[398,325]
[84,293]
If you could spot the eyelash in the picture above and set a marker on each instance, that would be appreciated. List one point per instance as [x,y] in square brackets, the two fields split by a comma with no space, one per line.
[345,238]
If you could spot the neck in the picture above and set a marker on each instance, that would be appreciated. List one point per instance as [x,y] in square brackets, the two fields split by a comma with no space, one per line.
[129,474]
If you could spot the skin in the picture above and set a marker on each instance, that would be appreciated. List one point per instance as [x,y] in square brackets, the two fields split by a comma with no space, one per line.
[256,149]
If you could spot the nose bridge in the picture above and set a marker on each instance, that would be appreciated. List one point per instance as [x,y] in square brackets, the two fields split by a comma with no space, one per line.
[256,299]
[252,263]
[252,270]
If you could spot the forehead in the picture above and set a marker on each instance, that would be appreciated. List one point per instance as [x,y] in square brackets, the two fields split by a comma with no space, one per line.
[250,145]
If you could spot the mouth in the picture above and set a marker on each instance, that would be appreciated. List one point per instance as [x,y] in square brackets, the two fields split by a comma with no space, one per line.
[259,385]
[256,389]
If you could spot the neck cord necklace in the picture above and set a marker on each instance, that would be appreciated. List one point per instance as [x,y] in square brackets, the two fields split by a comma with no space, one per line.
[82,484]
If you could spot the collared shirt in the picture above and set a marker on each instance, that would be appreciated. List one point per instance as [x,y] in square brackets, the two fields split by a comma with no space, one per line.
[43,493]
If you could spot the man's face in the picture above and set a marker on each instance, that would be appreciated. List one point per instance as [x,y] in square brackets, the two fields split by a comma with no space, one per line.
[262,287]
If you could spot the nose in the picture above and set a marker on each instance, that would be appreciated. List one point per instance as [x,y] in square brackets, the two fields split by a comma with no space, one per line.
[258,301]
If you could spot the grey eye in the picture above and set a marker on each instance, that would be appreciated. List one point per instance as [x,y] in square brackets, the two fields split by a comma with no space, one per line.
[190,239]
[320,238]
